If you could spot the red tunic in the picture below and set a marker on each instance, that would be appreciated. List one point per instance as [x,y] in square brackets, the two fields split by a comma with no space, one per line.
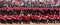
[58,18]
[3,18]
[25,18]
[0,16]
[44,18]
[47,14]
[52,17]
[31,16]
[10,18]
[36,18]
[40,17]
[16,17]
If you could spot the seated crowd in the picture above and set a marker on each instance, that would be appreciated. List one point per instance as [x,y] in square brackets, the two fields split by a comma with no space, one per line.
[30,3]
[27,16]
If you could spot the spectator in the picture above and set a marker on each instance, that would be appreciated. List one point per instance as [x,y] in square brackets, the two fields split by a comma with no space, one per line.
[42,2]
[58,3]
[21,2]
[1,3]
[25,2]
[7,3]
[17,3]
[55,1]
[13,2]
[33,2]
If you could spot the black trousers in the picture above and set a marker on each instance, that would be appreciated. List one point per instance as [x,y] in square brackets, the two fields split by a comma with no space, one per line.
[51,20]
[0,20]
[40,21]
[17,21]
[9,21]
[32,20]
[35,21]
[26,21]
[3,21]
[1,5]
[43,21]
[57,20]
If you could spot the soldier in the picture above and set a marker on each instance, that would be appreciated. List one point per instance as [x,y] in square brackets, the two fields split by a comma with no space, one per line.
[15,19]
[0,18]
[25,2]
[33,2]
[26,19]
[1,3]
[36,18]
[52,19]
[3,19]
[58,19]
[19,19]
[40,17]
[9,19]
[44,19]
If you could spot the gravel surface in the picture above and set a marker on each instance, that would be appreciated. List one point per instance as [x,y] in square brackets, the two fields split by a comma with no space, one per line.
[33,24]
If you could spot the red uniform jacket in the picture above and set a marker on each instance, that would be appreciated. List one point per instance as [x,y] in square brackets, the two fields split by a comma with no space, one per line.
[25,18]
[58,18]
[0,17]
[3,18]
[44,18]
[52,17]
[36,18]
[10,18]
[31,17]
[47,14]
[16,17]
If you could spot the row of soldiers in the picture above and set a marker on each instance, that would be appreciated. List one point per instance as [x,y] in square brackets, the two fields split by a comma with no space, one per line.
[25,11]
[29,18]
